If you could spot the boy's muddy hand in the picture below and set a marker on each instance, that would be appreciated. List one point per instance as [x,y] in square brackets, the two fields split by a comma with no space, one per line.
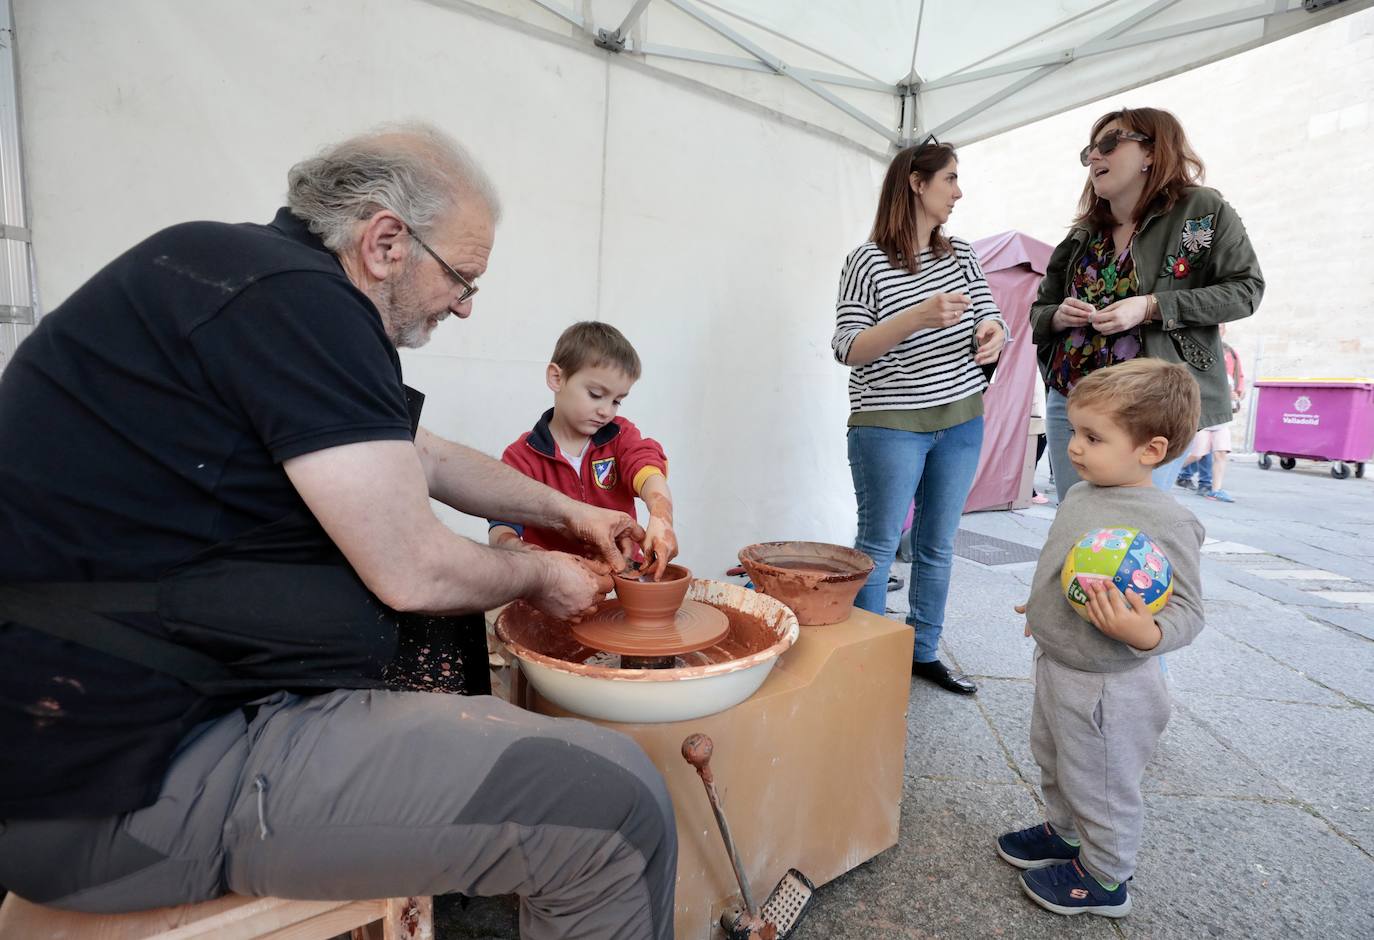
[660,546]
[1021,609]
[511,542]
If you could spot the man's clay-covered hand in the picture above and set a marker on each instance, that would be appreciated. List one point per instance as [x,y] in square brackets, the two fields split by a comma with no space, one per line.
[609,534]
[571,587]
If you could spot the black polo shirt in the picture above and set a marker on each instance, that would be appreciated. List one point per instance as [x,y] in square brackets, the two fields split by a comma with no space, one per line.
[143,421]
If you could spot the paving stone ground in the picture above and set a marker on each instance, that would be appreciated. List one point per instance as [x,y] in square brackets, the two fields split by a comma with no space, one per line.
[1260,799]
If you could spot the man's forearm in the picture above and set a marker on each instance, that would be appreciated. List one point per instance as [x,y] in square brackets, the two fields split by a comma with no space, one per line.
[466,577]
[371,500]
[478,485]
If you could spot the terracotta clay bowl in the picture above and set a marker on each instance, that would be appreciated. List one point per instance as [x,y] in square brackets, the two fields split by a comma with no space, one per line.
[819,581]
[650,603]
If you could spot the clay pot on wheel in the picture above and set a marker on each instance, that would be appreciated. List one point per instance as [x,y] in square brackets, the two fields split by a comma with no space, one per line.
[649,603]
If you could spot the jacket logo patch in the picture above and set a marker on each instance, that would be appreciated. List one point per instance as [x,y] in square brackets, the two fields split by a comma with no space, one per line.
[1195,240]
[603,472]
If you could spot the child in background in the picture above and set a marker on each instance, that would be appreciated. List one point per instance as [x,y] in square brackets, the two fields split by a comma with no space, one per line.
[1100,699]
[582,449]
[1037,427]
[1212,446]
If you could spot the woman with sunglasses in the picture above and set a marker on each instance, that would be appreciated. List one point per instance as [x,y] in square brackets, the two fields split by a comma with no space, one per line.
[916,324]
[1152,264]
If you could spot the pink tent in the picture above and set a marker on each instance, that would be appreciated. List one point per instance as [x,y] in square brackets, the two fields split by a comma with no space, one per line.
[1014,264]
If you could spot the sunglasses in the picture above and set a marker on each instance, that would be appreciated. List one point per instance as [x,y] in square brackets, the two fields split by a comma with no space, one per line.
[469,288]
[1107,143]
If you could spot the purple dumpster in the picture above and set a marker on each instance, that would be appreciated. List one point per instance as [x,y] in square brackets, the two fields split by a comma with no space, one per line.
[1315,419]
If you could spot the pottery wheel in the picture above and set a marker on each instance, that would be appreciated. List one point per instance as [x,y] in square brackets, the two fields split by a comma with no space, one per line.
[695,627]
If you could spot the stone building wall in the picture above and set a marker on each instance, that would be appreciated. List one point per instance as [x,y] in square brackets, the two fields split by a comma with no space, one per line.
[1287,134]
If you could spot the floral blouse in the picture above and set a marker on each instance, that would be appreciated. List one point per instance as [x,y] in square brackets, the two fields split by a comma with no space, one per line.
[1101,280]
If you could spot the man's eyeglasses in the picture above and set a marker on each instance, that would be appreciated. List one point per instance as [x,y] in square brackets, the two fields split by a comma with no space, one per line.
[1107,143]
[469,288]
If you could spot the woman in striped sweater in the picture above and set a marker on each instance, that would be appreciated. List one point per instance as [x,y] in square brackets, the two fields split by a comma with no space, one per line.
[916,323]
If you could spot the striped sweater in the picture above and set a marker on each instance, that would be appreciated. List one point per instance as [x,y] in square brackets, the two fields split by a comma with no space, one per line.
[929,367]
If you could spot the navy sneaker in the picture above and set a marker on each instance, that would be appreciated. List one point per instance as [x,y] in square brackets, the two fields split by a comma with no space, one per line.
[1185,482]
[1037,847]
[1068,889]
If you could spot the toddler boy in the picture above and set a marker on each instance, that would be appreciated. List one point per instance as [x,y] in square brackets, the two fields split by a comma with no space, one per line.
[1100,699]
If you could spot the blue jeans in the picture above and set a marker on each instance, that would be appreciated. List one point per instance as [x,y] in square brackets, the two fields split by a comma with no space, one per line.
[1058,430]
[1202,467]
[891,468]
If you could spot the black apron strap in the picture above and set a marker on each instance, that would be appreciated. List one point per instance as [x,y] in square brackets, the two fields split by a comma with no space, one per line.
[198,594]
[72,612]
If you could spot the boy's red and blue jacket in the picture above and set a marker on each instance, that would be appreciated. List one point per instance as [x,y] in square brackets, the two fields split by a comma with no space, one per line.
[617,462]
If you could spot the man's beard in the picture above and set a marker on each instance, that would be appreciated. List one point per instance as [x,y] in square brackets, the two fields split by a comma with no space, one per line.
[407,321]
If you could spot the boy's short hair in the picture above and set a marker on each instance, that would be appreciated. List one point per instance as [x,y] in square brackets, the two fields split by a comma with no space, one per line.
[1147,397]
[589,343]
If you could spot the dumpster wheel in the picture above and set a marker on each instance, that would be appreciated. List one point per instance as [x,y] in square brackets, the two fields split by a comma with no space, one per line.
[1265,461]
[1340,470]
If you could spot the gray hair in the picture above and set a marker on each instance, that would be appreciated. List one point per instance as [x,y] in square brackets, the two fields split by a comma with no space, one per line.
[414,170]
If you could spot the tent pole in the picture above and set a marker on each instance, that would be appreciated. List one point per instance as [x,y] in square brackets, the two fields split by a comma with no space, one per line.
[754,65]
[907,97]
[1127,24]
[1268,12]
[562,12]
[615,41]
[782,68]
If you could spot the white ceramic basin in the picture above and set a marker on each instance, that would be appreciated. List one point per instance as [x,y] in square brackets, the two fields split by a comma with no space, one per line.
[763,627]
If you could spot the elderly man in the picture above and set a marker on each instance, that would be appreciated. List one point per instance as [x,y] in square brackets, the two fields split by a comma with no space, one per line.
[214,500]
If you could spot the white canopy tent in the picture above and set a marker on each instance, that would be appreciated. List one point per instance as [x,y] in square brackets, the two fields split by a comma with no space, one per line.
[699,189]
[961,70]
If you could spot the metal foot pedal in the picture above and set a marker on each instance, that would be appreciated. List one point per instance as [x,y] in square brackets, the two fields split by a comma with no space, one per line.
[780,915]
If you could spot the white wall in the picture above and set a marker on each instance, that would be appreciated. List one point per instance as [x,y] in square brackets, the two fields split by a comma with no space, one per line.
[711,233]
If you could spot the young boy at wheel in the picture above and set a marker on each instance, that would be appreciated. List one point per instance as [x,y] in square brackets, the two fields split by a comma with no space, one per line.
[1101,702]
[581,448]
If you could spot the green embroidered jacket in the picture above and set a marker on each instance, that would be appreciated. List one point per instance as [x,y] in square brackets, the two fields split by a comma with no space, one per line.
[1198,262]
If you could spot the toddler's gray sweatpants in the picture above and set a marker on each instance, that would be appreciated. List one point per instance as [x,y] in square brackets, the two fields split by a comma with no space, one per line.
[1092,733]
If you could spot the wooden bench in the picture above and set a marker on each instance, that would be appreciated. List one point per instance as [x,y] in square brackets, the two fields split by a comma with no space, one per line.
[232,917]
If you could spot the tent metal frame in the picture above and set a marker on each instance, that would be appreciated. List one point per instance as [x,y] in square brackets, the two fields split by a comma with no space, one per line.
[908,126]
[1044,70]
